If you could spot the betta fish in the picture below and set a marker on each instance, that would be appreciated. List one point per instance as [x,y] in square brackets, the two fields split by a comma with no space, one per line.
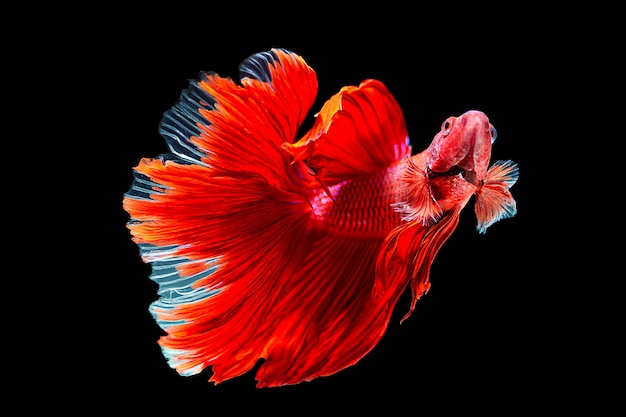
[290,249]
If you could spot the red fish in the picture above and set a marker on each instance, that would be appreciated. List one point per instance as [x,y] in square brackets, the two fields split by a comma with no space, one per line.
[290,250]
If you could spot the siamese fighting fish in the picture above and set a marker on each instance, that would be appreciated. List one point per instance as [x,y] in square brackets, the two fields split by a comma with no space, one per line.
[290,249]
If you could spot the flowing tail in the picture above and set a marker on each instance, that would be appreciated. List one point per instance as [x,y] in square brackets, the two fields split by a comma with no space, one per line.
[252,258]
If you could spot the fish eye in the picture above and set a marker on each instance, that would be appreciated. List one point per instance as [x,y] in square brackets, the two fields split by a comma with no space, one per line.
[493,132]
[446,126]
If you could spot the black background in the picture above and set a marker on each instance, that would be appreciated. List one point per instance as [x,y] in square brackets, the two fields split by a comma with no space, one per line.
[497,329]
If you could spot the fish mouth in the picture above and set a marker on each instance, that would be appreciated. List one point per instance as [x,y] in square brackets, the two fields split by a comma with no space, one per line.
[456,171]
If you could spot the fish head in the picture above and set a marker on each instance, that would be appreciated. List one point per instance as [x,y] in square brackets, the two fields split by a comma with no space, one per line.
[454,168]
[462,147]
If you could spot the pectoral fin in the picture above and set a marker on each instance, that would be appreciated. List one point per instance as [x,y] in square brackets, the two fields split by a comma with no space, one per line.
[494,201]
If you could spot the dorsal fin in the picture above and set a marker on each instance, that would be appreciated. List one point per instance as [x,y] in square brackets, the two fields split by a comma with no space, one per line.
[359,131]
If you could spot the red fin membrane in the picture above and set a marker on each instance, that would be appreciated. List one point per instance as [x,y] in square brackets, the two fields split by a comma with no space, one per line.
[213,215]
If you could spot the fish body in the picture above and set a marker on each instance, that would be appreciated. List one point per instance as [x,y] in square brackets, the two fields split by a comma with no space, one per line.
[293,250]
